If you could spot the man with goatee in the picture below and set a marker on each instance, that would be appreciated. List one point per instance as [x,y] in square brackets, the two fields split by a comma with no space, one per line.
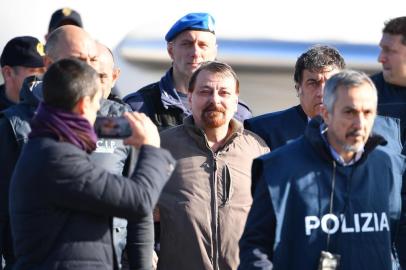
[205,204]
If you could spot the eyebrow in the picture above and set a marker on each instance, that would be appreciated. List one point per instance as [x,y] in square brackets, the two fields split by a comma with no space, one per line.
[313,80]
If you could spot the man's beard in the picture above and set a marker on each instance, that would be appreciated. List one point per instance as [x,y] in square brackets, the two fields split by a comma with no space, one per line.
[356,147]
[213,116]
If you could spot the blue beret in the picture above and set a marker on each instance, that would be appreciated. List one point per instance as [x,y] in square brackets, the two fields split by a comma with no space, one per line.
[191,21]
[23,51]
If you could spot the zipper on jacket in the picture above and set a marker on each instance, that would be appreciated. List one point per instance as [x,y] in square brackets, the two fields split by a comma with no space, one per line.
[227,183]
[333,183]
[215,216]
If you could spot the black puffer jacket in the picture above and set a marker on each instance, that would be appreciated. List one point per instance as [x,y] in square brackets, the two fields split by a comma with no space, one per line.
[61,204]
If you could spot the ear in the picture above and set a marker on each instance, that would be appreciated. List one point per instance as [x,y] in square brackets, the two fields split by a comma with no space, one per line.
[116,75]
[236,103]
[47,61]
[325,115]
[7,72]
[298,90]
[189,97]
[169,48]
[82,105]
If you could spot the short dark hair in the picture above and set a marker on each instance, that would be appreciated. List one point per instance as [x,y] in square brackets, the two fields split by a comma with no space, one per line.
[396,26]
[68,80]
[214,67]
[317,58]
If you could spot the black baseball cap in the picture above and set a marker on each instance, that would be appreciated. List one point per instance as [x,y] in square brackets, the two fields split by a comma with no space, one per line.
[23,51]
[64,16]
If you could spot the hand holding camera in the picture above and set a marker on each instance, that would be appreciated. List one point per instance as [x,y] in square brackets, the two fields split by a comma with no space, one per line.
[135,128]
[143,130]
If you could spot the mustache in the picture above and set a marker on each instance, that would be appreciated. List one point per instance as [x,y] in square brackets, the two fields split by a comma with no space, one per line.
[214,108]
[354,133]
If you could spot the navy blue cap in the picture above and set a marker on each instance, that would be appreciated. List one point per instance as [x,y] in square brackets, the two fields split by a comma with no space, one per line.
[64,16]
[191,21]
[23,51]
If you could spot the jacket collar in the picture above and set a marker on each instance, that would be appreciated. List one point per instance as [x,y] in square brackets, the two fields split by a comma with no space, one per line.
[199,136]
[313,136]
[169,95]
[27,91]
[301,113]
[3,97]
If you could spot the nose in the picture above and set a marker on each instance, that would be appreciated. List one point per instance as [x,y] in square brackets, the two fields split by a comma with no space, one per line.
[359,121]
[381,57]
[320,89]
[215,98]
[195,49]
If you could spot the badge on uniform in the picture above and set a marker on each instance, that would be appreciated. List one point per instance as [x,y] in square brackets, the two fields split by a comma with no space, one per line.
[329,261]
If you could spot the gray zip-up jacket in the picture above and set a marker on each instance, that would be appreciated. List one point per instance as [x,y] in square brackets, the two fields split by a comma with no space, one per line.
[205,204]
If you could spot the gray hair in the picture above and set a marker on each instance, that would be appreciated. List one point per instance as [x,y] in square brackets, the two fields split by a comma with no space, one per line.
[347,79]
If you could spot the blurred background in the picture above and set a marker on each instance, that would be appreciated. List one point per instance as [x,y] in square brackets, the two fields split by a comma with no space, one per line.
[260,39]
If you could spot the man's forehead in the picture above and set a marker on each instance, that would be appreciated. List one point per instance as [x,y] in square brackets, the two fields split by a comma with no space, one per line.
[324,72]
[391,40]
[212,79]
[81,47]
[206,75]
[192,35]
[363,93]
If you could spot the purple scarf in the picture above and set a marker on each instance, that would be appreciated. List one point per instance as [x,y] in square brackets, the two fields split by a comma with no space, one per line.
[64,126]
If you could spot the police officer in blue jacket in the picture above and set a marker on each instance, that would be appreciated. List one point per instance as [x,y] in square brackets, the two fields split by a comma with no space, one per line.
[391,81]
[391,86]
[331,197]
[21,58]
[312,70]
[190,42]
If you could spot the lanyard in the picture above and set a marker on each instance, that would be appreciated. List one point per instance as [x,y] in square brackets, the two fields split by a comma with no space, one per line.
[333,184]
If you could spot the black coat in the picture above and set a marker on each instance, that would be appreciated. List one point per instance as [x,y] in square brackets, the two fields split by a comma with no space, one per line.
[61,204]
[109,154]
[279,128]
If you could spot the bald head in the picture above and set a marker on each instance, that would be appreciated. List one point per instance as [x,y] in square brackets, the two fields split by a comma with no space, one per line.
[70,41]
[107,72]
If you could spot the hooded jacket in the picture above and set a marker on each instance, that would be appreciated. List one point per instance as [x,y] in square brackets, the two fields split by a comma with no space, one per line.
[290,219]
[206,201]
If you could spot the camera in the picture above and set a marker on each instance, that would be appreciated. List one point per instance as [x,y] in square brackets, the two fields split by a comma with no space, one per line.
[112,127]
[328,261]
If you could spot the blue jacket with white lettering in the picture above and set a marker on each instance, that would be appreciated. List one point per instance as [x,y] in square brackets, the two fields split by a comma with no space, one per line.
[290,218]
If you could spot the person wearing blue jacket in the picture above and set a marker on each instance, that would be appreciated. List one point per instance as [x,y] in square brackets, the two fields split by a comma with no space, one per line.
[391,81]
[312,70]
[333,195]
[190,42]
